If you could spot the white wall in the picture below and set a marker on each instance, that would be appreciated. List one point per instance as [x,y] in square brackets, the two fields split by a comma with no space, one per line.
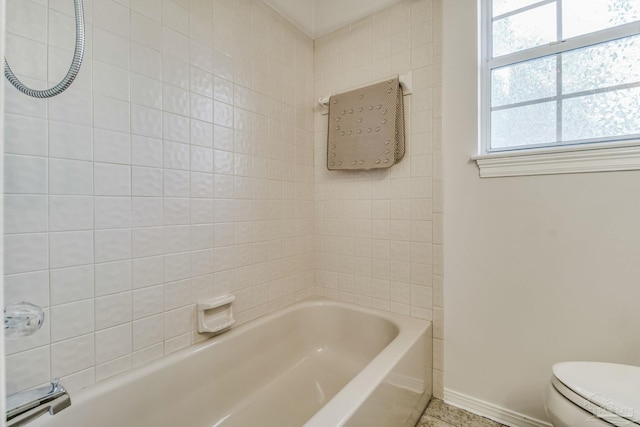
[537,269]
[2,367]
[177,167]
[379,232]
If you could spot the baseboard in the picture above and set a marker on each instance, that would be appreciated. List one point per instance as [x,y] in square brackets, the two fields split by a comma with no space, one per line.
[491,411]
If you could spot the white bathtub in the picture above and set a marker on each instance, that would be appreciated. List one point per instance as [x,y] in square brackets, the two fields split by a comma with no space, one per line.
[316,363]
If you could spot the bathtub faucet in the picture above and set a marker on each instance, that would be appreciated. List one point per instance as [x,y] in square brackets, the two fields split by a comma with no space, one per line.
[25,406]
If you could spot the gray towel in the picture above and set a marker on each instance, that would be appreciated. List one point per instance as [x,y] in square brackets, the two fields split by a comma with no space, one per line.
[366,127]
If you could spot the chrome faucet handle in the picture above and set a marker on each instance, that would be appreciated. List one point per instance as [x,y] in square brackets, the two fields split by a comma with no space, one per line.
[22,319]
[24,407]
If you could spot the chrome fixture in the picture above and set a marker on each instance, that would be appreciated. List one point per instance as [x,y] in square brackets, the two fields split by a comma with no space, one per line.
[25,406]
[78,54]
[22,319]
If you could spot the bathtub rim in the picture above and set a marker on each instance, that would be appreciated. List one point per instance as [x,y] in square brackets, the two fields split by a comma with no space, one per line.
[338,410]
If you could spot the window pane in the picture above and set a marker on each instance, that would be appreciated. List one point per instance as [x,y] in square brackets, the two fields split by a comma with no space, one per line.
[503,6]
[523,82]
[528,125]
[524,30]
[609,114]
[586,16]
[600,66]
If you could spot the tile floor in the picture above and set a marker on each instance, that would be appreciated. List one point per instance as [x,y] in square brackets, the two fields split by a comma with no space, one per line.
[439,414]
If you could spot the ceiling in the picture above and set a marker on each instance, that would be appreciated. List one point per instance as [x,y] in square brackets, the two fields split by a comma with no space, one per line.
[319,17]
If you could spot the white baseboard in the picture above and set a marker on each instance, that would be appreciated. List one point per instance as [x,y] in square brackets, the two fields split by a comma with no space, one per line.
[491,411]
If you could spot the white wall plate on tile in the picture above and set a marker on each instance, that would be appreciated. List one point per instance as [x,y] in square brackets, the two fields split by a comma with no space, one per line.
[216,314]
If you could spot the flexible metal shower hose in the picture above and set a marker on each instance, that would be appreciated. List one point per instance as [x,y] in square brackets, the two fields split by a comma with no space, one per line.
[78,54]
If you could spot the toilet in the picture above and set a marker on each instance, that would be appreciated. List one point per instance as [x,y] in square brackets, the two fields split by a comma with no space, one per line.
[593,394]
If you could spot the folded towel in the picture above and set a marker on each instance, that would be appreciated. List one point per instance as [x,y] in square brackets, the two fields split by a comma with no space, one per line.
[366,127]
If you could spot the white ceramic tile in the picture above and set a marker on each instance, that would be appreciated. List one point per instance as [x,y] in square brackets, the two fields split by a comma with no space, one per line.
[71,106]
[110,48]
[71,284]
[113,367]
[146,181]
[177,294]
[175,127]
[147,332]
[112,212]
[17,103]
[202,83]
[201,56]
[113,310]
[177,322]
[69,141]
[178,343]
[148,271]
[148,8]
[32,287]
[25,174]
[202,133]
[176,266]
[174,44]
[146,121]
[111,114]
[71,356]
[148,301]
[25,253]
[176,239]
[68,213]
[28,19]
[112,180]
[202,262]
[71,248]
[111,16]
[147,241]
[70,177]
[27,369]
[79,380]
[25,213]
[146,91]
[176,211]
[146,151]
[201,211]
[72,320]
[147,355]
[147,211]
[61,29]
[24,54]
[110,81]
[113,343]
[112,277]
[176,183]
[202,236]
[113,245]
[175,72]
[146,31]
[202,185]
[146,61]
[201,159]
[111,147]
[175,100]
[40,338]
[25,135]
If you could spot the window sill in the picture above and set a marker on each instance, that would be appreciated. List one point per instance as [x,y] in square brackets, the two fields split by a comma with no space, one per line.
[559,160]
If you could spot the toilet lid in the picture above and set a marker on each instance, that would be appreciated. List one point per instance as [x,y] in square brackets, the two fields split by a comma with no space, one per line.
[614,388]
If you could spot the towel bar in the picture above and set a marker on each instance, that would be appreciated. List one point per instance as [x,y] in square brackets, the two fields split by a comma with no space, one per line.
[406,81]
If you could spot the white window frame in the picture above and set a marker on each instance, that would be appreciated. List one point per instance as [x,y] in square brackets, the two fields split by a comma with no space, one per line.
[594,156]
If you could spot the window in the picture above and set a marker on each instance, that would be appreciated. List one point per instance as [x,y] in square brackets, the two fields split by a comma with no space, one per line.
[559,73]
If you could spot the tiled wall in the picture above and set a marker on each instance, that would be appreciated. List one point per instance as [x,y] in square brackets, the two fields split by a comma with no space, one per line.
[177,167]
[379,233]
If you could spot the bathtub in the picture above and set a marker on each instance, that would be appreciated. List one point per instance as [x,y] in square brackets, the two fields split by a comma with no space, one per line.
[316,364]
